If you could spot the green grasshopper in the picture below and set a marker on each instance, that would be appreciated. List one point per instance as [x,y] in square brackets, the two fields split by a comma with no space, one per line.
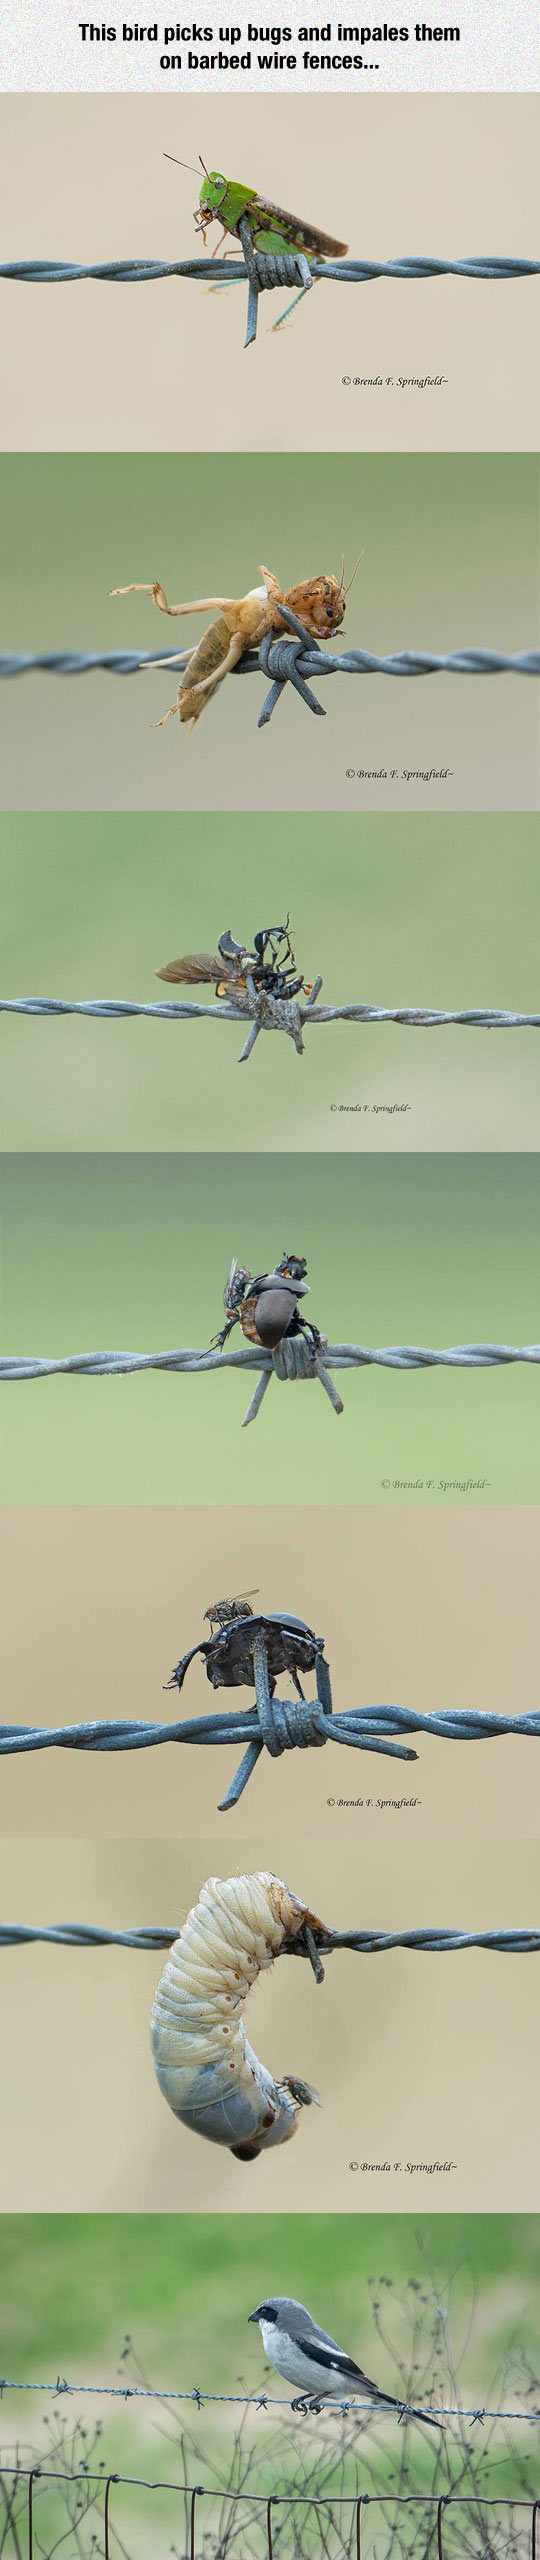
[274,233]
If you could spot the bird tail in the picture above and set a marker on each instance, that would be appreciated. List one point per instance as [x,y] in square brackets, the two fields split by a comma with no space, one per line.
[405,2410]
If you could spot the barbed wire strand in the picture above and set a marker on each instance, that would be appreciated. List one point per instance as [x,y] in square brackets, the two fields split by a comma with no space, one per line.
[16,1367]
[364,1942]
[347,271]
[258,2401]
[287,660]
[262,273]
[359,1728]
[405,662]
[418,1017]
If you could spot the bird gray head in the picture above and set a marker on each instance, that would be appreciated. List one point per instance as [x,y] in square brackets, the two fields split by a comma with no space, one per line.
[282,2312]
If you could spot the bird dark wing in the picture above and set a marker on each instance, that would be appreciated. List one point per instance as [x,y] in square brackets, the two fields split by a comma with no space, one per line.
[323,2351]
[332,2359]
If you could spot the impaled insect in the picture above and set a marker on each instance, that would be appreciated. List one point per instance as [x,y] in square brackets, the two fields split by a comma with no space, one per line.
[266,1308]
[271,965]
[273,230]
[319,604]
[228,1652]
[205,2067]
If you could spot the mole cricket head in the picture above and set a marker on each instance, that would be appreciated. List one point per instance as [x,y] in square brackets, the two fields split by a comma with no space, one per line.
[320,602]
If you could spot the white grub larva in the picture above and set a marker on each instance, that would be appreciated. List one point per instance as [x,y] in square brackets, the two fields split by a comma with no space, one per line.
[206,2069]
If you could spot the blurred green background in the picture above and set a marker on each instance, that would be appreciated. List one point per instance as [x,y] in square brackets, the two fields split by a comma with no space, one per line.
[450,561]
[133,1253]
[402,909]
[73,2284]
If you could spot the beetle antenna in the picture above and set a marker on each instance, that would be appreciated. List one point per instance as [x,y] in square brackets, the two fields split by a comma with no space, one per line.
[181,164]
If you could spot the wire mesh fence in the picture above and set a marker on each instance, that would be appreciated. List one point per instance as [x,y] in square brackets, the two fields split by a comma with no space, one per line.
[262,2527]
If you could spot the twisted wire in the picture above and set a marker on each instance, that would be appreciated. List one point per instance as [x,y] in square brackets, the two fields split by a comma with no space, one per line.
[312,661]
[347,271]
[286,660]
[339,1355]
[234,2400]
[262,272]
[419,1017]
[357,1727]
[365,1942]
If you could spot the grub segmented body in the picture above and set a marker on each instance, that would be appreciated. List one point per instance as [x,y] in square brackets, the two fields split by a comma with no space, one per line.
[205,2066]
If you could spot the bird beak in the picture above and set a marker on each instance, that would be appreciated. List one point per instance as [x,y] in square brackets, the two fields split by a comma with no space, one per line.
[252,2315]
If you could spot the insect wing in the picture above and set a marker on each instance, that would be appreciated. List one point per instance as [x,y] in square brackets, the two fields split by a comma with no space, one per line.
[197,968]
[300,234]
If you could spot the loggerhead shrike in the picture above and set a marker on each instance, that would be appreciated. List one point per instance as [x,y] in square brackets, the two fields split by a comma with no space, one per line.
[306,2356]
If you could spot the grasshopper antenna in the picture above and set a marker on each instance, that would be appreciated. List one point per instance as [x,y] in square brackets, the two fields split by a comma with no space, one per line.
[183,164]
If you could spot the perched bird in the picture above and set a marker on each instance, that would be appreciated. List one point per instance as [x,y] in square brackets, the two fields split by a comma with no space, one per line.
[306,2356]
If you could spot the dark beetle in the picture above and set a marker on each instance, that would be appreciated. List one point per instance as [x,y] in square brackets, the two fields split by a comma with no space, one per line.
[228,1653]
[266,1307]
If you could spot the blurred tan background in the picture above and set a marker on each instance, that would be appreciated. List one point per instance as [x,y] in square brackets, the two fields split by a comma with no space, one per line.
[428,1609]
[91,365]
[418,2058]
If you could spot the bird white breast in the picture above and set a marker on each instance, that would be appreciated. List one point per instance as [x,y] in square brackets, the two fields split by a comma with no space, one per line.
[290,2359]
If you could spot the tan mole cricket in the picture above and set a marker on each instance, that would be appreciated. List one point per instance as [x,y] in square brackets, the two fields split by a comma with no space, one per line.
[319,604]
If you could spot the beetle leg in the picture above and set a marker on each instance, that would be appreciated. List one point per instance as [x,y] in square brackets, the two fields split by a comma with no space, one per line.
[219,1339]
